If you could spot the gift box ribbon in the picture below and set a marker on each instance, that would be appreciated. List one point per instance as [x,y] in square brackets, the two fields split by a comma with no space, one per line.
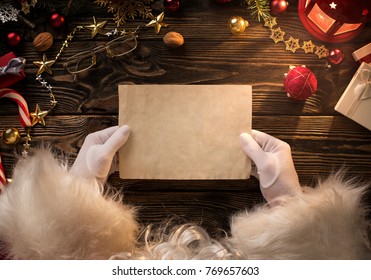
[362,91]
[14,66]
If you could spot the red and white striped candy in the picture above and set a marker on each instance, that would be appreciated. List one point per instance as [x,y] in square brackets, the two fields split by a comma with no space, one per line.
[24,118]
[22,105]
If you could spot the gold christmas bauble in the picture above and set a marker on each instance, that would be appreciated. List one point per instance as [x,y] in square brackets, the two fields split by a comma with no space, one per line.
[11,136]
[237,24]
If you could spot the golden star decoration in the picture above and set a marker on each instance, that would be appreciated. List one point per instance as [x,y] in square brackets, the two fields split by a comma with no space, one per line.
[308,46]
[270,22]
[44,65]
[321,52]
[25,8]
[38,116]
[156,22]
[292,44]
[277,35]
[96,28]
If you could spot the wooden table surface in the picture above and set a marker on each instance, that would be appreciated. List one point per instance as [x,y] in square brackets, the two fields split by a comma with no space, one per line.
[322,140]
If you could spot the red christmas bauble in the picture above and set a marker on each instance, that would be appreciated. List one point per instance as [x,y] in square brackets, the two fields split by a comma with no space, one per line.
[172,5]
[335,56]
[278,6]
[56,20]
[13,39]
[300,83]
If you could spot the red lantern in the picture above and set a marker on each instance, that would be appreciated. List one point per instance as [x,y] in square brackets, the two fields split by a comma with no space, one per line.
[334,21]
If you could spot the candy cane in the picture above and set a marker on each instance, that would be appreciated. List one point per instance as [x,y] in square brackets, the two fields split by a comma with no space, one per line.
[22,105]
[24,118]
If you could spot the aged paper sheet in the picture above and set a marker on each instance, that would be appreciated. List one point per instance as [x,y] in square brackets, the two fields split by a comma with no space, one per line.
[184,131]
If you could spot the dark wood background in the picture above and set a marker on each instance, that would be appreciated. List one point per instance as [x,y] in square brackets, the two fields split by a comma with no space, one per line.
[322,140]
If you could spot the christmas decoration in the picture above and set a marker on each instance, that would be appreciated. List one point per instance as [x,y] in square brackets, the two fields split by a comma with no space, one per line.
[156,22]
[11,136]
[44,65]
[223,1]
[13,39]
[300,83]
[124,10]
[43,41]
[8,13]
[172,5]
[2,176]
[237,24]
[355,102]
[96,28]
[278,6]
[173,39]
[335,56]
[56,20]
[259,9]
[334,20]
[38,116]
[363,54]
[293,44]
[22,105]
[11,69]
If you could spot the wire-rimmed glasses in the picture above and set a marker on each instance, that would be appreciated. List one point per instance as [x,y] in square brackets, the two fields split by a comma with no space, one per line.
[85,60]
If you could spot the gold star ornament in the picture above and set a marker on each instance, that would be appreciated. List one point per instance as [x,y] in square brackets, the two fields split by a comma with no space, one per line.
[277,35]
[156,22]
[38,116]
[321,52]
[270,22]
[96,28]
[44,65]
[292,44]
[308,46]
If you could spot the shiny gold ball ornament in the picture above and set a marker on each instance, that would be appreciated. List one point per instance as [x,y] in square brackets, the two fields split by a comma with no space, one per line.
[11,136]
[237,24]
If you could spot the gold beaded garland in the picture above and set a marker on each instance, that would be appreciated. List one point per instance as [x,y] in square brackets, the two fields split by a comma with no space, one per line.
[11,136]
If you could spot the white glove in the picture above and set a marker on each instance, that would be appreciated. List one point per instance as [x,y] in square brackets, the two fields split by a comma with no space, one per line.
[95,159]
[275,167]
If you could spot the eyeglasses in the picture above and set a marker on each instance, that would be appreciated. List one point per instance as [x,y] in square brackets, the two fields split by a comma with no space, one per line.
[85,60]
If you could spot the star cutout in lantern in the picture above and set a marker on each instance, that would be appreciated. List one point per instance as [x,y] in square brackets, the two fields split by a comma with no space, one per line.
[308,46]
[322,52]
[292,44]
[333,5]
[270,22]
[38,116]
[96,28]
[277,35]
[156,22]
[44,65]
[364,12]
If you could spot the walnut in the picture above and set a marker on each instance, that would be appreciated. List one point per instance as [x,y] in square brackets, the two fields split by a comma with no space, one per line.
[173,39]
[43,41]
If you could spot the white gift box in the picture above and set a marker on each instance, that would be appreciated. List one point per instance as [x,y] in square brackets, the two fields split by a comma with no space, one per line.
[355,103]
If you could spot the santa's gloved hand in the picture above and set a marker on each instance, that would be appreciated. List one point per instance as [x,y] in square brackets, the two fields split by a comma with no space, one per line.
[96,157]
[274,165]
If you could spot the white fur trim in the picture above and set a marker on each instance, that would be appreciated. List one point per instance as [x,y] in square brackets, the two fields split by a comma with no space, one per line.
[48,214]
[327,222]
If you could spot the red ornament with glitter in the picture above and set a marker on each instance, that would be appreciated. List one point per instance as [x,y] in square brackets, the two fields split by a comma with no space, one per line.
[300,83]
[172,5]
[334,21]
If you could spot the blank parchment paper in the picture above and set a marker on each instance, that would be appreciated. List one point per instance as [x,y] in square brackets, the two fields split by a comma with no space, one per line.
[184,131]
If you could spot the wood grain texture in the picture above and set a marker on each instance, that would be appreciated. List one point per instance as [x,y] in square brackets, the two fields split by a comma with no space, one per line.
[322,140]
